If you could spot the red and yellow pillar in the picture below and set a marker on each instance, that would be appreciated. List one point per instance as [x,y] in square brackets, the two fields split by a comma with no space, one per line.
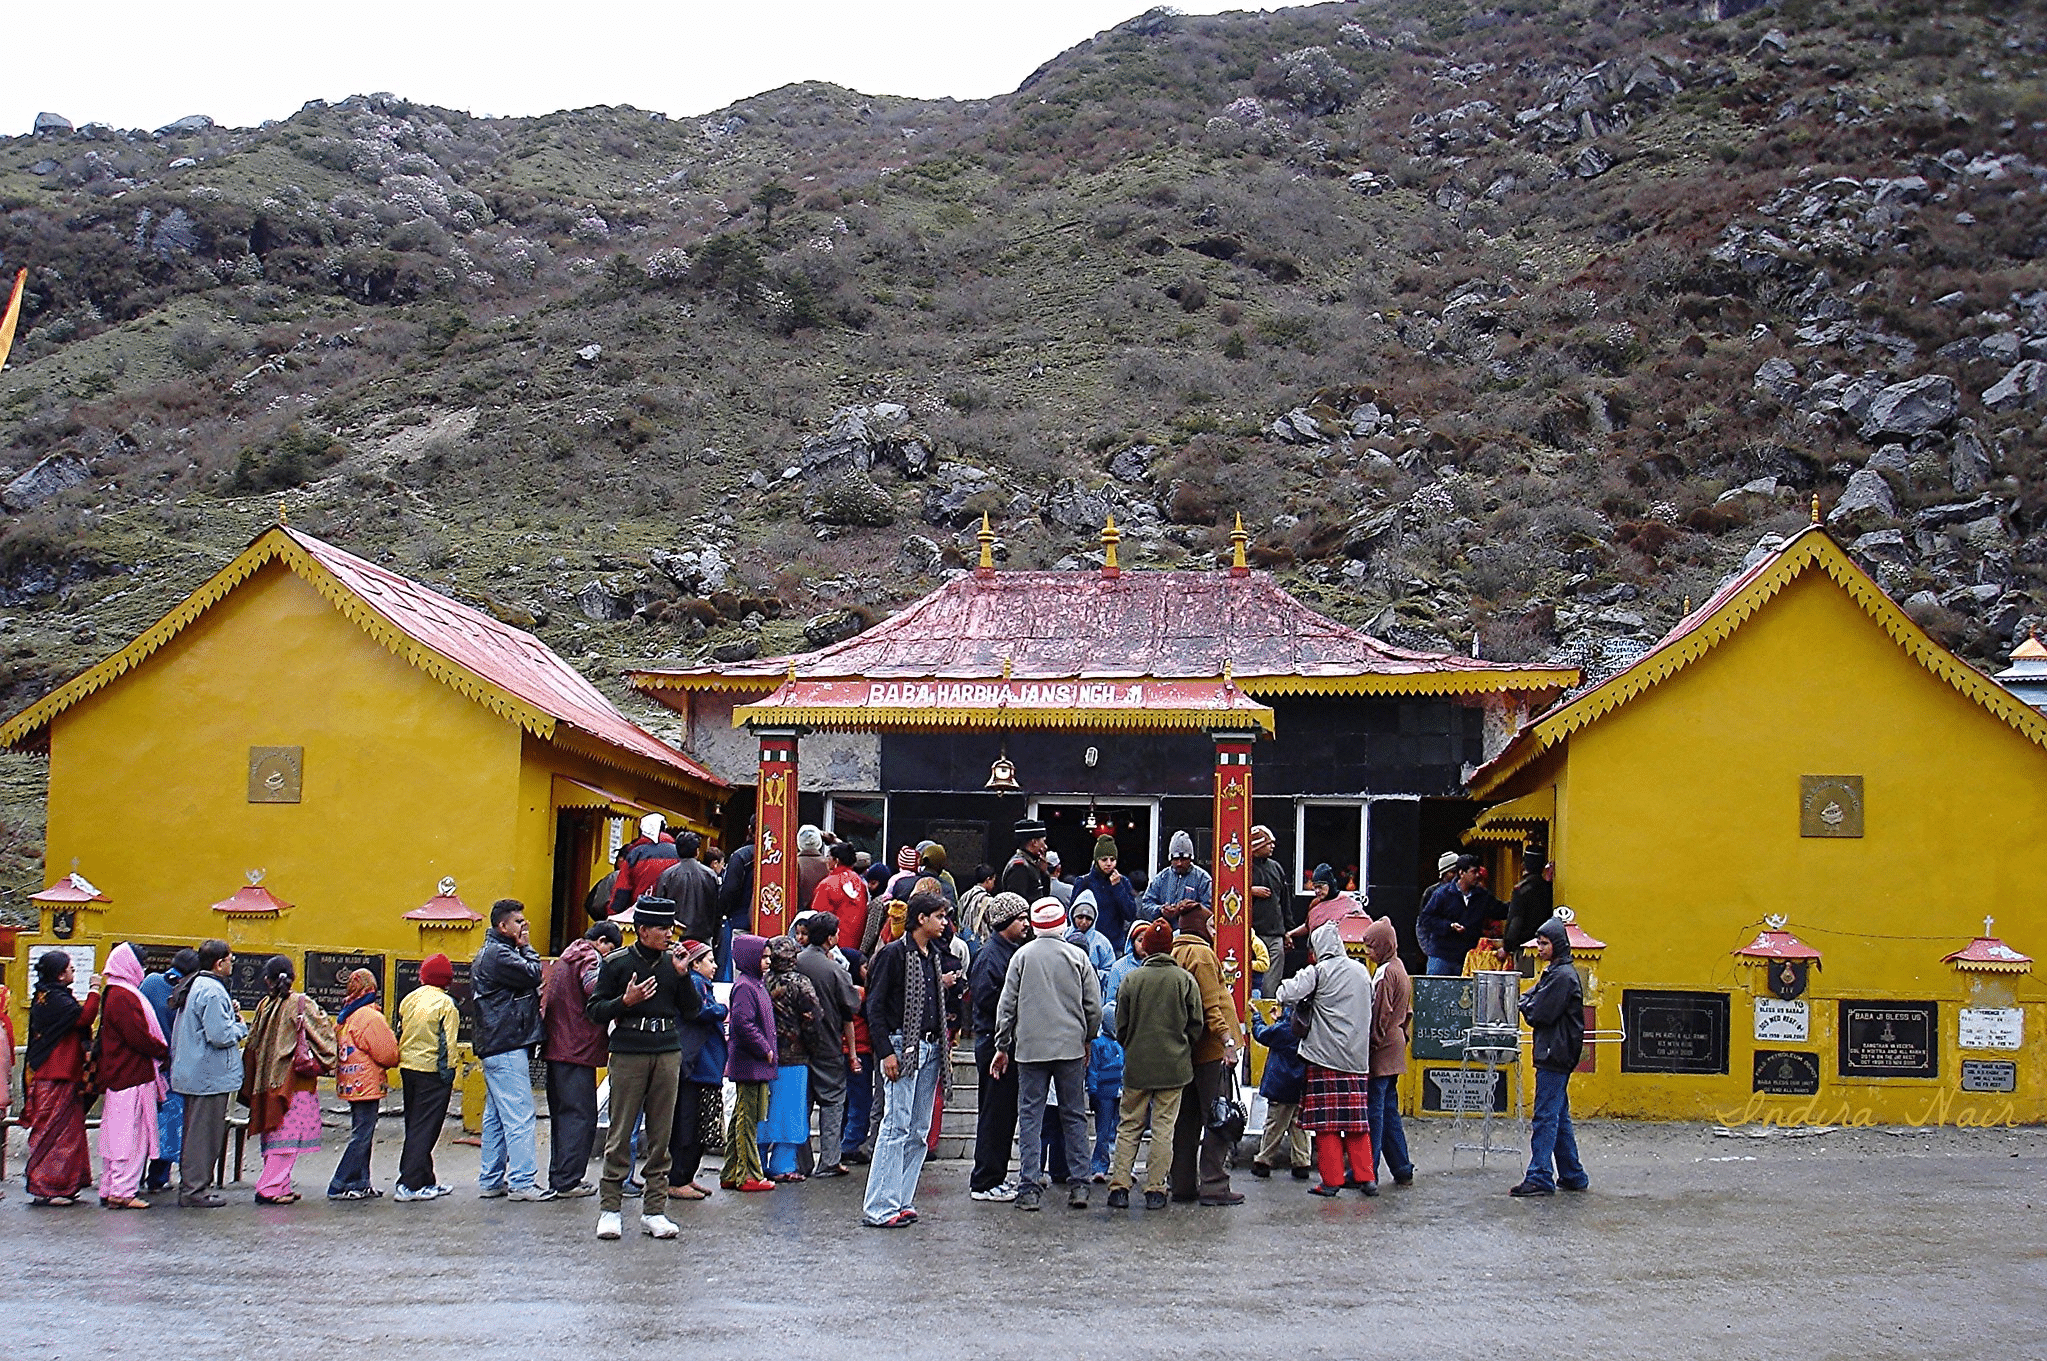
[1233,860]
[774,831]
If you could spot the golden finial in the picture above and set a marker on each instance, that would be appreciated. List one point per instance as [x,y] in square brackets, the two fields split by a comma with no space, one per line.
[283,512]
[1815,507]
[1008,666]
[987,538]
[1111,536]
[1229,671]
[792,671]
[1688,605]
[1239,567]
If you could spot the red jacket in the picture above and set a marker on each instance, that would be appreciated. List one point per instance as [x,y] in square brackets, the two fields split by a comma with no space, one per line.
[843,893]
[571,1036]
[639,865]
[128,1052]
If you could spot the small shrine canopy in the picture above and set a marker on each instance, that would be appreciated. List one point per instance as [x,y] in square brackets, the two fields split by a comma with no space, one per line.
[1988,954]
[252,900]
[2026,677]
[444,909]
[70,891]
[1777,944]
[986,636]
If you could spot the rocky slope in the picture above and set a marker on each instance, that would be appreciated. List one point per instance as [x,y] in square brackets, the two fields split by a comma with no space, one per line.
[1507,325]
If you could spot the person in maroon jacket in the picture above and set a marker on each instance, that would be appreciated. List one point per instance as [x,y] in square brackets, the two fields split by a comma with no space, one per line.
[574,1047]
[750,1065]
[59,1161]
[131,1046]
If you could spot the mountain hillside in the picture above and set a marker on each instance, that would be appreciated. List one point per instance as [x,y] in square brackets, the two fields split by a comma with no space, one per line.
[1507,325]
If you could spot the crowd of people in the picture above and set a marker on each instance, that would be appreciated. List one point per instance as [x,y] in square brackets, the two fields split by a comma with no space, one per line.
[1096,1015]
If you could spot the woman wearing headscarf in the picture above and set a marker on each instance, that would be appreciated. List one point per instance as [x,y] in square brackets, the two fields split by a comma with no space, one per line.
[700,1095]
[1336,1102]
[366,1048]
[787,1126]
[59,1027]
[280,1097]
[131,1046]
[749,1064]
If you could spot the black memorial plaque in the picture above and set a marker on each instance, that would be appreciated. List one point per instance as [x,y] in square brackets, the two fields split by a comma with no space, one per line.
[245,984]
[1787,1072]
[405,977]
[157,958]
[1451,1090]
[326,978]
[1989,1075]
[1674,1032]
[1442,1013]
[1890,1039]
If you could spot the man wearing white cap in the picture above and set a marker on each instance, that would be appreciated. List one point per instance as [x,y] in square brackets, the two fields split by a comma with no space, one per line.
[1051,1010]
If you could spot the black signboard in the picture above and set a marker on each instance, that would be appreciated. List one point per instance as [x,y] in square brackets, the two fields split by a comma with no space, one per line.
[157,958]
[1442,1013]
[1989,1075]
[1890,1039]
[1674,1032]
[1451,1090]
[405,977]
[245,984]
[1787,1072]
[326,980]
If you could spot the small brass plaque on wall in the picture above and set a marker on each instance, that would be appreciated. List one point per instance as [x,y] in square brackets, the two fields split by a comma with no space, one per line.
[275,774]
[1830,805]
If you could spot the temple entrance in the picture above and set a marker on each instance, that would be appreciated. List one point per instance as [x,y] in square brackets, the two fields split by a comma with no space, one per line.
[1068,831]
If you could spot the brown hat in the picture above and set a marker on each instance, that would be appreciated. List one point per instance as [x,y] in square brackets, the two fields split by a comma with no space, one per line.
[1158,938]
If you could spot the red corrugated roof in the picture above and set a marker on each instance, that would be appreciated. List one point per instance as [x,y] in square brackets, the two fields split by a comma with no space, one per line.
[509,658]
[1085,625]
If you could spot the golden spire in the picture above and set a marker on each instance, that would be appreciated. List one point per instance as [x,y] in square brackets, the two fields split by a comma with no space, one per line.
[1111,536]
[987,538]
[283,512]
[1815,507]
[1239,567]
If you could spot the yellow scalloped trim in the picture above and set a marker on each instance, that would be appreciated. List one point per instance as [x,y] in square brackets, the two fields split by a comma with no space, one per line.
[866,720]
[1432,683]
[1813,547]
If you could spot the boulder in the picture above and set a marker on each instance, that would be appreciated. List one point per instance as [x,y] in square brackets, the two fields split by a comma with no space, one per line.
[697,571]
[1133,464]
[1892,458]
[43,480]
[850,498]
[1298,427]
[1882,545]
[1940,517]
[1867,496]
[1912,408]
[1590,163]
[1968,464]
[44,167]
[191,122]
[920,557]
[1778,377]
[951,500]
[589,354]
[602,605]
[50,125]
[1075,509]
[2018,388]
[832,627]
[736,650]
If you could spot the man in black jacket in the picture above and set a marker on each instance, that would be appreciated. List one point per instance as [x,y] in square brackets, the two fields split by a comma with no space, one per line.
[1555,1010]
[832,1064]
[907,1003]
[1026,875]
[1272,904]
[505,979]
[646,1001]
[690,885]
[1008,922]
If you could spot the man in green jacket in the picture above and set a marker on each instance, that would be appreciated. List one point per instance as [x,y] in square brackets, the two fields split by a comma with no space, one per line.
[1158,1020]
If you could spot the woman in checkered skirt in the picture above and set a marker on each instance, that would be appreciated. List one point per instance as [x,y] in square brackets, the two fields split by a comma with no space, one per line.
[1338,1052]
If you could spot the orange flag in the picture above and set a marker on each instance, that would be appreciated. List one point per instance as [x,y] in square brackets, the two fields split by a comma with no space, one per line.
[13,316]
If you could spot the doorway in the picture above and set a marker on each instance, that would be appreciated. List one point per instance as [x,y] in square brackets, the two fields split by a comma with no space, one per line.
[1073,825]
[578,835]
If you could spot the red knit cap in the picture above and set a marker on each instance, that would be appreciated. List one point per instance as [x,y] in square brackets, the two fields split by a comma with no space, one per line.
[907,859]
[436,972]
[1158,938]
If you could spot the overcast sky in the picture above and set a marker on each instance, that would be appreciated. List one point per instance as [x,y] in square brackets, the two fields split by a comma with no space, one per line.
[142,63]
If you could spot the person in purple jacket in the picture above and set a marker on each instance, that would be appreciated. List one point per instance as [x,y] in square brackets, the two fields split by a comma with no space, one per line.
[750,1065]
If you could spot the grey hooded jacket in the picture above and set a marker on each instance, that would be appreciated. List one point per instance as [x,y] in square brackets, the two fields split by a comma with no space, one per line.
[1341,1037]
[1051,1003]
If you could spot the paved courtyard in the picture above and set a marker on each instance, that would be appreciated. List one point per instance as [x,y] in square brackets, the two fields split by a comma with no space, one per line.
[1858,1244]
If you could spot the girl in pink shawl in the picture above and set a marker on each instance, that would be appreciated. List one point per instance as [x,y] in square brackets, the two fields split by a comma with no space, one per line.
[131,1047]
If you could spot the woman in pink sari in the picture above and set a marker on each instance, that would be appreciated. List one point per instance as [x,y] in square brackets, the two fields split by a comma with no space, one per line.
[279,1095]
[131,1046]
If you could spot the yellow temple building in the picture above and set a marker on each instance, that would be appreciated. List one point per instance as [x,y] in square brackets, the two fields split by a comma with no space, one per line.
[316,757]
[1788,823]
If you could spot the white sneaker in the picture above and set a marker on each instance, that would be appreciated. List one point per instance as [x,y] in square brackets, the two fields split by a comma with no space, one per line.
[610,1225]
[438,1190]
[1004,1193]
[534,1193]
[659,1226]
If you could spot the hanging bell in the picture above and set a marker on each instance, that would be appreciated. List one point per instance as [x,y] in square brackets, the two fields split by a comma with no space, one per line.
[1002,775]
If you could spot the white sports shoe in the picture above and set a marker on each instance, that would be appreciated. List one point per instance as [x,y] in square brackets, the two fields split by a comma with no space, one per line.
[610,1225]
[1004,1193]
[659,1226]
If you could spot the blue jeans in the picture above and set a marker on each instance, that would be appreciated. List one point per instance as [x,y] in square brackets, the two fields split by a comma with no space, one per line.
[1440,967]
[352,1173]
[1108,1113]
[507,1122]
[1553,1137]
[905,1132]
[859,1103]
[1389,1137]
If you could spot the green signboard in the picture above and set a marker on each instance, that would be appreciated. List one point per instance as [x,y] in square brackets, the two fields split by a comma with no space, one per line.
[1442,1013]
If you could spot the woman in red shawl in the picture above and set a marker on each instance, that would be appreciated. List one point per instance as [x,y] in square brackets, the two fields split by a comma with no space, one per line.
[131,1046]
[59,1026]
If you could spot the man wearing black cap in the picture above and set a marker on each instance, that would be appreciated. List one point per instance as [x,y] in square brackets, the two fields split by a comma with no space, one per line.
[646,1001]
[1025,875]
